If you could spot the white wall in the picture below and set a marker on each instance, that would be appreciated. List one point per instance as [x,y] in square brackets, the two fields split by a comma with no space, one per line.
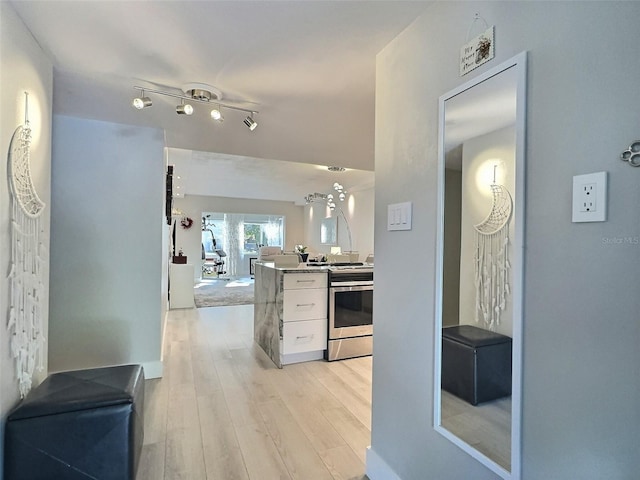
[106,245]
[194,205]
[581,326]
[478,154]
[358,210]
[23,67]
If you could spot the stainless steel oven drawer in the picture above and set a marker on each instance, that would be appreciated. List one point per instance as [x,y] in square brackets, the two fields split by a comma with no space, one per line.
[349,348]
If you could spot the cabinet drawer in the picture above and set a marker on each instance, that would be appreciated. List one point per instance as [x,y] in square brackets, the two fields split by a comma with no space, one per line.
[305,280]
[305,304]
[304,336]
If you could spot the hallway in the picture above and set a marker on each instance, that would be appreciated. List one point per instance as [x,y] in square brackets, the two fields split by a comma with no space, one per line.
[223,411]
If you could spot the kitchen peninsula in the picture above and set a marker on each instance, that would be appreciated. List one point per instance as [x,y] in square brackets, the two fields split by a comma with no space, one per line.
[290,314]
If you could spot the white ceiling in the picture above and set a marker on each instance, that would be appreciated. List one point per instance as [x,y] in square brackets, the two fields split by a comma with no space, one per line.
[204,173]
[307,66]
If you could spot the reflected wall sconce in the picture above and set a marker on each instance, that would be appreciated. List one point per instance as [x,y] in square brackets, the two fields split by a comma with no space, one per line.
[195,93]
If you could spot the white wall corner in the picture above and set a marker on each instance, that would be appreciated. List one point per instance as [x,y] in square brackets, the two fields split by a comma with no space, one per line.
[377,468]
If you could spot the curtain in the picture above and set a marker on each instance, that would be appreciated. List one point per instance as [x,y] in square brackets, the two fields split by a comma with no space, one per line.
[234,242]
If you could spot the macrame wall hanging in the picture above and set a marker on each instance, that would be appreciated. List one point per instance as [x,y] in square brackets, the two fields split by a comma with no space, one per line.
[25,323]
[491,258]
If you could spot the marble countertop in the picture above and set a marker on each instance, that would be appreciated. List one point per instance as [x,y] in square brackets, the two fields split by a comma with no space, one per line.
[307,268]
[301,268]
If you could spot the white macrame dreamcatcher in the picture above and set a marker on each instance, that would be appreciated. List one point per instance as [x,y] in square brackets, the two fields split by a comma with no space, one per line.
[25,323]
[491,259]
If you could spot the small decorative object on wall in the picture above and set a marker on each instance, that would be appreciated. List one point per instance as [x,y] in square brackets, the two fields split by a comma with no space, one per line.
[632,154]
[479,50]
[186,223]
[25,322]
[491,258]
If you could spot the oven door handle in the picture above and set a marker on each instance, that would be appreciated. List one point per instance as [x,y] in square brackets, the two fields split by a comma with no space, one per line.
[347,287]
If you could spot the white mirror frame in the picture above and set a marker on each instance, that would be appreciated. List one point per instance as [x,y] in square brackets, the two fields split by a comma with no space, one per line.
[520,63]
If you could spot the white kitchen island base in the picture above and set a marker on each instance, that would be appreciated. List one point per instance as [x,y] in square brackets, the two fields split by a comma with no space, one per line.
[290,313]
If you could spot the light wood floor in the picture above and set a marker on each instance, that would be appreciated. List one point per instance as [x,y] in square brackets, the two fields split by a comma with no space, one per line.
[223,411]
[486,427]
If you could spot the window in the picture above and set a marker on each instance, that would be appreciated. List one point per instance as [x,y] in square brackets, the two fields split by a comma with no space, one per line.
[239,235]
[212,237]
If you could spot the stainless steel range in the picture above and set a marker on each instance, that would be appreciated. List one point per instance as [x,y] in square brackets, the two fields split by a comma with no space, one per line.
[350,312]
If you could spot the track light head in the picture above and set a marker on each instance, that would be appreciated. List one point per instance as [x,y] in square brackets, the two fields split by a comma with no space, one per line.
[216,114]
[250,122]
[141,102]
[184,109]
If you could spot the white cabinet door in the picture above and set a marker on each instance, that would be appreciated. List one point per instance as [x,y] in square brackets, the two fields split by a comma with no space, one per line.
[305,336]
[305,280]
[304,304]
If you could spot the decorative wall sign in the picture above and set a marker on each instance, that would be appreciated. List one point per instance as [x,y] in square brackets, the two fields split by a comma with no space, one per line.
[478,51]
[25,323]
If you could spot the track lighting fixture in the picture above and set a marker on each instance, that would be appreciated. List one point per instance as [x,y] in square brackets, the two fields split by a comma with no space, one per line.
[195,93]
[141,101]
[250,122]
[184,109]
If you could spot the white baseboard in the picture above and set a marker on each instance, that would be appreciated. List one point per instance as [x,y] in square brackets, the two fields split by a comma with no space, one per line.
[301,357]
[152,369]
[377,469]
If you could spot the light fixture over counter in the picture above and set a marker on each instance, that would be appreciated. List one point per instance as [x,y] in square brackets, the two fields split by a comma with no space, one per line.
[195,93]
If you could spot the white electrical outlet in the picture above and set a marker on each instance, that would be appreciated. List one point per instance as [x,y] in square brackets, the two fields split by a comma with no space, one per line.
[590,197]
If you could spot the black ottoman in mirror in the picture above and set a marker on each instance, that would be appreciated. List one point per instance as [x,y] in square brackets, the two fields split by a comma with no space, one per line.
[476,363]
[79,425]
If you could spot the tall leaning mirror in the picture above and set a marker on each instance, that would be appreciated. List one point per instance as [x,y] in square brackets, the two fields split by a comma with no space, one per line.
[480,257]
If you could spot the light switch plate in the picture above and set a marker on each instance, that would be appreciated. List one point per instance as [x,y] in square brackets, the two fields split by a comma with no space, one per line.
[589,198]
[399,216]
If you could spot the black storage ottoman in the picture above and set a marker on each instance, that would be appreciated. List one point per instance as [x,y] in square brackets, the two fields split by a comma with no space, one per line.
[476,363]
[79,425]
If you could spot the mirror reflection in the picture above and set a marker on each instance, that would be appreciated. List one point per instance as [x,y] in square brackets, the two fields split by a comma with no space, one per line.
[476,332]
